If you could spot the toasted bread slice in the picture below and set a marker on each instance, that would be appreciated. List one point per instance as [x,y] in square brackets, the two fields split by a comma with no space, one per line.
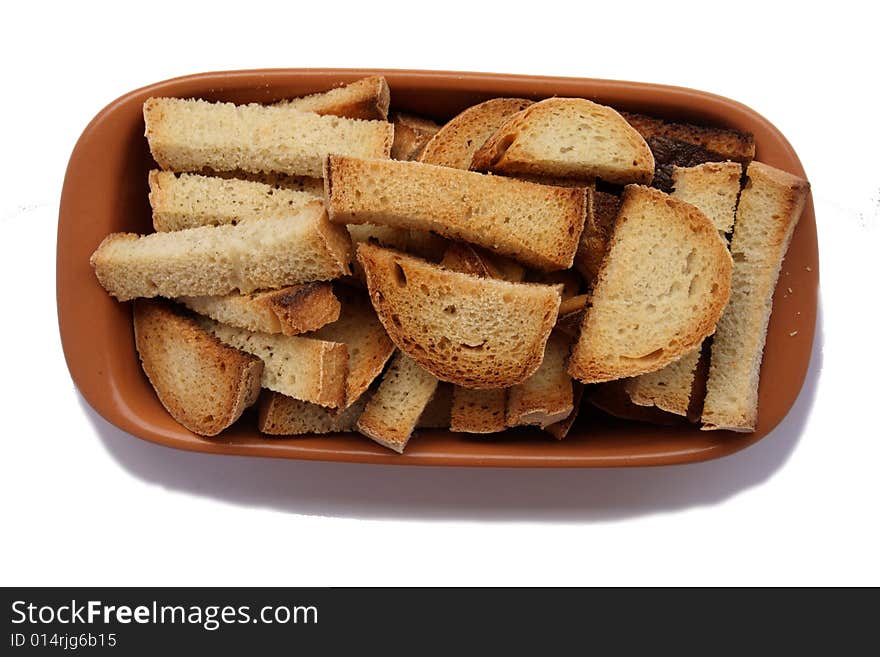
[411,133]
[660,292]
[214,260]
[547,396]
[190,200]
[669,388]
[724,143]
[308,370]
[280,415]
[369,346]
[713,188]
[535,224]
[688,145]
[568,138]
[438,412]
[290,310]
[189,135]
[368,98]
[612,398]
[457,141]
[474,332]
[204,384]
[478,411]
[394,409]
[598,227]
[559,430]
[768,211]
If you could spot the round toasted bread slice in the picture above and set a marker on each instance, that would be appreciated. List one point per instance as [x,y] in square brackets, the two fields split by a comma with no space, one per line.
[568,138]
[204,384]
[456,142]
[471,331]
[661,290]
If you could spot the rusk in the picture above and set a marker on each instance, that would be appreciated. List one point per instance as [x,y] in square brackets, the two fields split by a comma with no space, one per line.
[769,208]
[189,135]
[216,260]
[280,415]
[305,369]
[456,142]
[538,225]
[394,409]
[474,332]
[204,384]
[367,98]
[568,138]
[190,200]
[660,292]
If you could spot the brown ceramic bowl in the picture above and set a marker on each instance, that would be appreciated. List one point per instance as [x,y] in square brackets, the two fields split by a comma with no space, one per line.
[105,190]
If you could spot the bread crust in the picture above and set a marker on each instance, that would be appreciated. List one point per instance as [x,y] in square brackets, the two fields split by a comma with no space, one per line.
[495,330]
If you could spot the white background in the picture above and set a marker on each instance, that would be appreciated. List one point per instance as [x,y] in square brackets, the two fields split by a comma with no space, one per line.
[83,503]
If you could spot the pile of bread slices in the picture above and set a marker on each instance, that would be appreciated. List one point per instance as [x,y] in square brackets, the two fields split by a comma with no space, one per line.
[355,273]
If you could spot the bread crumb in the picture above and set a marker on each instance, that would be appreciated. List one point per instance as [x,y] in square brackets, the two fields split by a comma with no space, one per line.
[790,291]
[792,334]
[808,268]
